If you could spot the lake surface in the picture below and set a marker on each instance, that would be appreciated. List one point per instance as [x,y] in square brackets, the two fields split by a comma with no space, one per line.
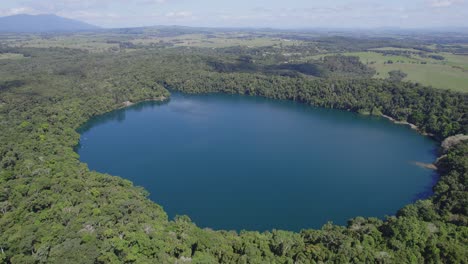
[237,162]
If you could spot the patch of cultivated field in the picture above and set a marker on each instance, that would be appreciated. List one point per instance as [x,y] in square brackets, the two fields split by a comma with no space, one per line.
[220,41]
[90,44]
[450,73]
[435,75]
[397,49]
[10,56]
[374,57]
[457,60]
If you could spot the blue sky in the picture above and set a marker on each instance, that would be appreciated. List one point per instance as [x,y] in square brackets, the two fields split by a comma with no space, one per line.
[252,13]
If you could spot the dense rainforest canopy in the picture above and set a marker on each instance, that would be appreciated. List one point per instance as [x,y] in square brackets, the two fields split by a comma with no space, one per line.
[53,209]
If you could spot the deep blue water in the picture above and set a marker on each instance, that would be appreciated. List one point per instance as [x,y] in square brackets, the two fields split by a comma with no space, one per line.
[237,162]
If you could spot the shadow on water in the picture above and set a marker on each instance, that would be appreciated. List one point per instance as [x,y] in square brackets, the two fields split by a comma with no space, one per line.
[435,177]
[429,189]
[118,115]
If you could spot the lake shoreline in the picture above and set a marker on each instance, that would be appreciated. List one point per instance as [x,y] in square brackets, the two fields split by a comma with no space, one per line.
[412,126]
[184,111]
[126,104]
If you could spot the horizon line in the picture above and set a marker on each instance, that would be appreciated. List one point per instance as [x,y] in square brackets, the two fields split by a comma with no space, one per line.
[381,28]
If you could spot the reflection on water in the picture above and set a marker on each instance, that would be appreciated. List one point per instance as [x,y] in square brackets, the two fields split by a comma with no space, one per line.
[119,115]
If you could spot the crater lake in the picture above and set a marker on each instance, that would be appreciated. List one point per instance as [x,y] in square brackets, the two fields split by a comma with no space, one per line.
[238,162]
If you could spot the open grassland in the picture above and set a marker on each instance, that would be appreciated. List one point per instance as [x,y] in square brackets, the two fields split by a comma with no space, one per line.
[450,73]
[72,43]
[98,43]
[11,56]
[457,60]
[89,43]
[392,48]
[436,75]
[216,41]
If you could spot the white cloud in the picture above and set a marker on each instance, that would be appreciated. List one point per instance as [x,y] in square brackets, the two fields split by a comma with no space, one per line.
[312,13]
[151,2]
[89,15]
[17,10]
[445,3]
[179,14]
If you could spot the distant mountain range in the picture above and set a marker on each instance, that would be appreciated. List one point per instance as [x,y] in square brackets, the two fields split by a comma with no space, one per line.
[25,23]
[42,23]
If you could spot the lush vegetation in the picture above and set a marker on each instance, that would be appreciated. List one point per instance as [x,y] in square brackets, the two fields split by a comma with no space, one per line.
[53,209]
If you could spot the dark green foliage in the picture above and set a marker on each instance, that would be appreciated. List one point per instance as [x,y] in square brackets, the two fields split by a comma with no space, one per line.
[347,65]
[54,210]
[314,69]
[11,84]
[437,57]
[396,76]
[246,65]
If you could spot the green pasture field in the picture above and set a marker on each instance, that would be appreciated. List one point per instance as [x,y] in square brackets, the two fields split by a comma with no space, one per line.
[11,56]
[450,73]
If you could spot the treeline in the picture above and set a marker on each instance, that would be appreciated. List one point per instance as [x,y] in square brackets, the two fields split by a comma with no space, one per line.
[327,67]
[53,209]
[438,112]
